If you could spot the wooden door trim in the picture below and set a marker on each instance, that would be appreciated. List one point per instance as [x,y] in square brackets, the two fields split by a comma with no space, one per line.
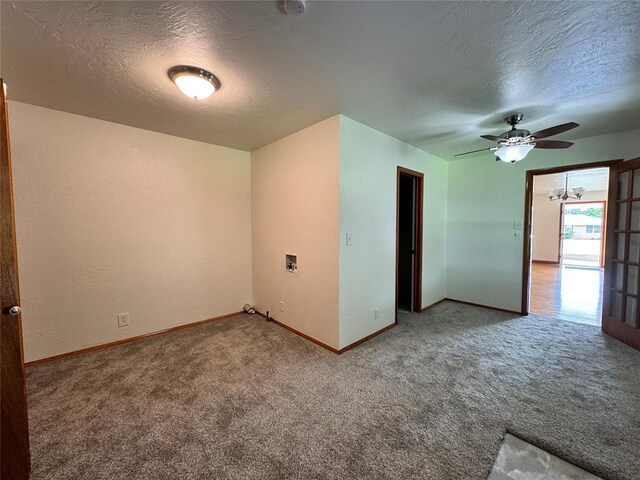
[560,233]
[528,205]
[418,218]
[116,343]
[603,234]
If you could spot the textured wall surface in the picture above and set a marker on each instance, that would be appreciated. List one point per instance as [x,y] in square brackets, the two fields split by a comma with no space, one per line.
[433,74]
[295,210]
[113,219]
[368,169]
[484,260]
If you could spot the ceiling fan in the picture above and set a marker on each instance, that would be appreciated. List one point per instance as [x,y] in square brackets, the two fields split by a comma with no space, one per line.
[514,144]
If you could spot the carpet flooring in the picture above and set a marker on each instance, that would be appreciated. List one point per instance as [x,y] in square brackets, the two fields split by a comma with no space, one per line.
[431,399]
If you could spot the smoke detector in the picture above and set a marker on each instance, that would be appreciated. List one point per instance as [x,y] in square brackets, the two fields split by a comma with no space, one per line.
[295,8]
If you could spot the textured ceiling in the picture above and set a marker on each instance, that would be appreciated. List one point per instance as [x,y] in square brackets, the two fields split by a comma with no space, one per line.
[434,74]
[593,179]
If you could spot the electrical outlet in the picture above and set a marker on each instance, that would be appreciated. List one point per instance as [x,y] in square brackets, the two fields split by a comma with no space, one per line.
[376,313]
[123,320]
[281,306]
[517,234]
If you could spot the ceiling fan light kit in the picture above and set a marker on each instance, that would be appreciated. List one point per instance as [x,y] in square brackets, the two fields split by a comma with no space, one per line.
[512,153]
[515,144]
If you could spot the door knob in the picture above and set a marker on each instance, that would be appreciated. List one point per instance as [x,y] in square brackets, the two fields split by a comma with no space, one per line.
[14,310]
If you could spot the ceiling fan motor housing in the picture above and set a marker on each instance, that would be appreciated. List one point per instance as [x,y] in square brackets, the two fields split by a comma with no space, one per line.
[514,119]
[516,134]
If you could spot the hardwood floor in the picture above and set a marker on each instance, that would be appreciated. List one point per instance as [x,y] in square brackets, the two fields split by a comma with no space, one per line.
[569,293]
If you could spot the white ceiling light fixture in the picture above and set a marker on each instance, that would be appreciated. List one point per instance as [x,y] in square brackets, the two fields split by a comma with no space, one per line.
[513,153]
[194,82]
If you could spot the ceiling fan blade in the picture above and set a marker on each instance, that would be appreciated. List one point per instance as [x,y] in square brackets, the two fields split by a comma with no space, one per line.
[552,144]
[493,138]
[473,151]
[548,132]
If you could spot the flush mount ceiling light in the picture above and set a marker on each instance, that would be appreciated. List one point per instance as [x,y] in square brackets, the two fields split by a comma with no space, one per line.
[194,82]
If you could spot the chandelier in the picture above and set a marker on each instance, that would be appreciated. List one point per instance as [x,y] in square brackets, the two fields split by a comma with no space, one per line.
[563,193]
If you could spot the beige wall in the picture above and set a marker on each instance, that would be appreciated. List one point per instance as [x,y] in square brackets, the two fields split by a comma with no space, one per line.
[300,184]
[368,171]
[546,224]
[114,219]
[484,259]
[295,210]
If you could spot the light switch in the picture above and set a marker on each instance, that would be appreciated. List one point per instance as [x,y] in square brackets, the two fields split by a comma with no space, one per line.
[517,224]
[349,240]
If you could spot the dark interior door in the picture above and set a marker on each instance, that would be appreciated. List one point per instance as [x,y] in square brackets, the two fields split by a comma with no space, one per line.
[409,221]
[620,315]
[13,401]
[406,241]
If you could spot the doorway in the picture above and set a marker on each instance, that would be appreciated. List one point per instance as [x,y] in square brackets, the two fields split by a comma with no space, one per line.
[409,241]
[563,271]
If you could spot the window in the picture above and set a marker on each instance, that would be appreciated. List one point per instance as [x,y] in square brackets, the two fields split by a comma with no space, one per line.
[594,229]
[589,228]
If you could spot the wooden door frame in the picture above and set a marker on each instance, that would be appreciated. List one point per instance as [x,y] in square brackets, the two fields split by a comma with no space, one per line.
[603,224]
[560,234]
[528,215]
[418,219]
